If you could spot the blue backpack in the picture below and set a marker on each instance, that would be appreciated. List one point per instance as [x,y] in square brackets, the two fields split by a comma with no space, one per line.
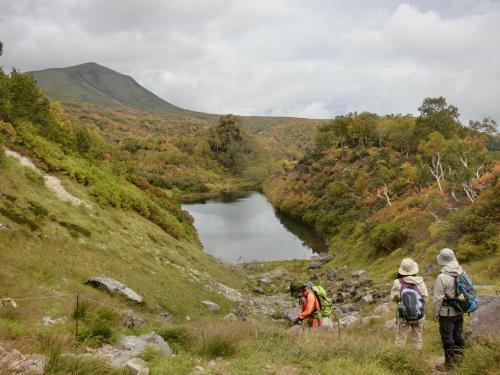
[466,300]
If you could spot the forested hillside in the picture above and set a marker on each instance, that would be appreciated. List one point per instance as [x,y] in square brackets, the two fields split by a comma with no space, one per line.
[381,187]
[155,143]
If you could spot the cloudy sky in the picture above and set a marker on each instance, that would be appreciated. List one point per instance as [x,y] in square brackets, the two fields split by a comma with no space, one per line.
[308,58]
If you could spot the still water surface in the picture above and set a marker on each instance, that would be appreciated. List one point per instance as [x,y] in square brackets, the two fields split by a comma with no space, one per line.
[241,227]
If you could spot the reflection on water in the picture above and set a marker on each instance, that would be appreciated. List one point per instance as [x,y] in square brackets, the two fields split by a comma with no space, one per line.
[245,227]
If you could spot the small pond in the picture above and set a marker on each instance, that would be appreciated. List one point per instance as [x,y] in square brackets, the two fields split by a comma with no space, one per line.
[242,227]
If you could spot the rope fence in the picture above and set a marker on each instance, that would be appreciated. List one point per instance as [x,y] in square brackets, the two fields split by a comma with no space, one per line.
[79,298]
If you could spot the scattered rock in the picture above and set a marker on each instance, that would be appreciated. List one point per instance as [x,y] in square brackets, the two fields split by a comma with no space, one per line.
[239,312]
[359,273]
[343,268]
[327,322]
[331,274]
[166,316]
[231,317]
[258,290]
[348,320]
[367,299]
[349,307]
[48,321]
[13,362]
[131,320]
[292,313]
[383,308]
[485,319]
[341,297]
[265,280]
[320,261]
[113,286]
[133,346]
[188,318]
[198,370]
[211,306]
[3,227]
[390,325]
[137,366]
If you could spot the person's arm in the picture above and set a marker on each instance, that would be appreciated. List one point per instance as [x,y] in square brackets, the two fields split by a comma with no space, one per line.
[310,306]
[395,291]
[423,292]
[438,296]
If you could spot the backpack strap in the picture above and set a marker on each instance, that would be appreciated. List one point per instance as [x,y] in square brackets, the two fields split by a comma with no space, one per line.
[405,285]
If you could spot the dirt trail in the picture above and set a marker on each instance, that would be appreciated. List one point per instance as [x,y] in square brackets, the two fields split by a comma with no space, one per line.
[51,182]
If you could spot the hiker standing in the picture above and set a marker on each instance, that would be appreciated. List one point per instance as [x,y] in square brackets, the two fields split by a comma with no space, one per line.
[410,292]
[309,304]
[451,320]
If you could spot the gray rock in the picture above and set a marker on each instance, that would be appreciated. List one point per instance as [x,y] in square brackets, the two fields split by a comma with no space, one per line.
[258,290]
[341,297]
[367,299]
[211,306]
[16,363]
[349,307]
[166,316]
[331,274]
[265,280]
[349,320]
[198,370]
[485,322]
[48,321]
[390,325]
[327,322]
[136,366]
[292,313]
[231,317]
[320,261]
[359,273]
[383,308]
[113,286]
[3,227]
[133,346]
[130,319]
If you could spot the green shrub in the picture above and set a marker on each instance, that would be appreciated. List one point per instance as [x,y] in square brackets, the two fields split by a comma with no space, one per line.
[38,209]
[74,229]
[386,237]
[482,358]
[18,217]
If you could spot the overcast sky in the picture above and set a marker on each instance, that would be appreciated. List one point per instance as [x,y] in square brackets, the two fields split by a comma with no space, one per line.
[307,58]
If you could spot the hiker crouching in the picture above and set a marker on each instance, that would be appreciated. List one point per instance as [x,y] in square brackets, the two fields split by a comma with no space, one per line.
[309,303]
[410,292]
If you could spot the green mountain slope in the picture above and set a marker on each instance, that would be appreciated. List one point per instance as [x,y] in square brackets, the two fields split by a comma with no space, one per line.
[96,84]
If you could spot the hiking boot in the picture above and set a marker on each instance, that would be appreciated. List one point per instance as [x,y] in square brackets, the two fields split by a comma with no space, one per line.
[444,367]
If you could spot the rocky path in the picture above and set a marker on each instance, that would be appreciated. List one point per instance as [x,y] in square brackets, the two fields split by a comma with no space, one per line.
[51,182]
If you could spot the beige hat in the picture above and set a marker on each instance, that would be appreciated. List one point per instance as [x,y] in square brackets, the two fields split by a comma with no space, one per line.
[446,257]
[408,267]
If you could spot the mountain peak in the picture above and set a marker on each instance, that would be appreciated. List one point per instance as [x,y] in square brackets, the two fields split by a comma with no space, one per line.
[96,84]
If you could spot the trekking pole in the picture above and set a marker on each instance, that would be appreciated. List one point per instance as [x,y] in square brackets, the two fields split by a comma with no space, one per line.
[77,312]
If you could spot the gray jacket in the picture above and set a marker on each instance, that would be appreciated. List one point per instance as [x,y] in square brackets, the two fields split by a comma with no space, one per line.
[444,287]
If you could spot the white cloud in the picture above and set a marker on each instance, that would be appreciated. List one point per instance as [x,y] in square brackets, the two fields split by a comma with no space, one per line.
[313,58]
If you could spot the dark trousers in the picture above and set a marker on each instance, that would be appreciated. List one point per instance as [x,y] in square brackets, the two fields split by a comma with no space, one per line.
[451,329]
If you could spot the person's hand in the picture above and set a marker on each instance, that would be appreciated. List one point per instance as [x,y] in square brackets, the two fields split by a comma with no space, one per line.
[435,318]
